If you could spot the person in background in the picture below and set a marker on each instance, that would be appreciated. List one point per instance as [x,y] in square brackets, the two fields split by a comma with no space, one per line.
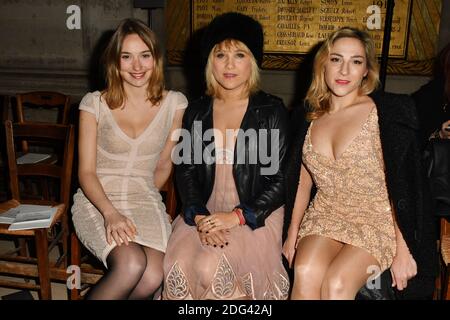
[433,100]
[361,153]
[227,243]
[124,158]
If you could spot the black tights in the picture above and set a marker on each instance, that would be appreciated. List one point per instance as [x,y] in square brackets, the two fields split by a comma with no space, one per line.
[134,272]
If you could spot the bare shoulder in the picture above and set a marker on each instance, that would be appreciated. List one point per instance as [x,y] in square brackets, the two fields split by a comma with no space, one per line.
[364,102]
[368,102]
[363,106]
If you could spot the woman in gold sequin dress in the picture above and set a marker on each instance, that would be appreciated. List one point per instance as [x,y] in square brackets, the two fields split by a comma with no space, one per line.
[348,233]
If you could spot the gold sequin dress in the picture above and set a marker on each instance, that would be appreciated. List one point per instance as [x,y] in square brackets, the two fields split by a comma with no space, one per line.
[352,204]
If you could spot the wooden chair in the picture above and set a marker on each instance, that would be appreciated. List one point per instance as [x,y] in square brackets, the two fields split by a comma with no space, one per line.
[18,263]
[445,256]
[90,274]
[36,103]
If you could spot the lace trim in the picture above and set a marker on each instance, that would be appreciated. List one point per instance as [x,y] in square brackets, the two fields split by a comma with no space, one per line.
[177,285]
[225,285]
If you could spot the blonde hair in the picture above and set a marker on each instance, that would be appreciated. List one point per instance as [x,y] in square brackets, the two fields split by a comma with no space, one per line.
[212,86]
[318,95]
[114,93]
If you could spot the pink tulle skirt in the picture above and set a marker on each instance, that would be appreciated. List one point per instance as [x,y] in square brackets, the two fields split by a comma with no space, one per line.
[249,267]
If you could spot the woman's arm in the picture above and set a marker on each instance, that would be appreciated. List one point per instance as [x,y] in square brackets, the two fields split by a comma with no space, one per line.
[117,226]
[404,266]
[301,203]
[271,197]
[164,165]
[186,172]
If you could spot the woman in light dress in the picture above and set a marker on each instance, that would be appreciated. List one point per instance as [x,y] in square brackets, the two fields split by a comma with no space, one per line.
[125,148]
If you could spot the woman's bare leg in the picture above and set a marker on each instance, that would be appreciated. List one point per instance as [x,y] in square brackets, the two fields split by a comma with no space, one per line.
[347,273]
[314,255]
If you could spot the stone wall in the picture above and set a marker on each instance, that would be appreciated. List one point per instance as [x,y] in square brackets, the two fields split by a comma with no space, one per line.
[39,52]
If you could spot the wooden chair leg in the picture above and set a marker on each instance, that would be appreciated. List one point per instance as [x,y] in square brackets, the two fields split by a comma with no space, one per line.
[171,202]
[65,240]
[23,250]
[43,264]
[75,259]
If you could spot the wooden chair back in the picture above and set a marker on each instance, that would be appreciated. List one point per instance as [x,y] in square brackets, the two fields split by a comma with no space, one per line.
[55,135]
[43,99]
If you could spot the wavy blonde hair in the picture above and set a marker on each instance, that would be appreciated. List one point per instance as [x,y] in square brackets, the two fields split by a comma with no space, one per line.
[114,94]
[318,95]
[212,86]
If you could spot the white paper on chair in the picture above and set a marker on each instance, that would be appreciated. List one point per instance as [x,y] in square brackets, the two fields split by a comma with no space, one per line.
[31,157]
[27,216]
[9,216]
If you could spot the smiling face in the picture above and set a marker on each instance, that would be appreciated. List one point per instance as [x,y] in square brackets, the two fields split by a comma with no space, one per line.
[232,68]
[346,66]
[136,62]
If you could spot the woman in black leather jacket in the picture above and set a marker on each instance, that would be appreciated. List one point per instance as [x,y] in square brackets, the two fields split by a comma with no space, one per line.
[227,244]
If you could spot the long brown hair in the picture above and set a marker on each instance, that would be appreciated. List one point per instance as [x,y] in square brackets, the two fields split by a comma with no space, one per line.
[114,93]
[318,95]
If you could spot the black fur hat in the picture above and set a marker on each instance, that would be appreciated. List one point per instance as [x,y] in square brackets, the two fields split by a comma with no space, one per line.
[237,26]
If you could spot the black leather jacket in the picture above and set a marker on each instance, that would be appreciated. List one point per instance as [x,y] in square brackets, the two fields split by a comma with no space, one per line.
[259,193]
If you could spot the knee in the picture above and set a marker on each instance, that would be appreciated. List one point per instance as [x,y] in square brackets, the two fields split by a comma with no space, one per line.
[155,278]
[305,274]
[307,282]
[333,287]
[205,268]
[137,264]
[149,283]
[134,266]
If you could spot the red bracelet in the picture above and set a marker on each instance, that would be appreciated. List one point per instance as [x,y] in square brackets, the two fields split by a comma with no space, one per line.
[240,216]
